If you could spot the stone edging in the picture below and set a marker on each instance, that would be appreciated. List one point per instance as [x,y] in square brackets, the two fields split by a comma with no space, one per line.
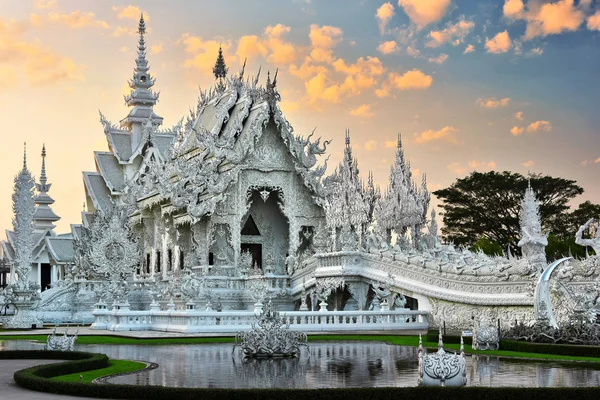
[104,379]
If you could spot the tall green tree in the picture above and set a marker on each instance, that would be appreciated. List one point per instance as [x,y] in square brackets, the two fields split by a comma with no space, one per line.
[487,205]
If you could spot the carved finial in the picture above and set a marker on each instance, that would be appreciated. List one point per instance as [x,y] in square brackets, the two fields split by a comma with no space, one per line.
[275,77]
[420,345]
[399,140]
[440,340]
[347,137]
[462,346]
[43,174]
[24,155]
[220,69]
[142,25]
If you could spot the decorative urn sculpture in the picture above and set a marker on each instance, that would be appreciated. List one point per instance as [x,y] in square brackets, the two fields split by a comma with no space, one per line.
[441,368]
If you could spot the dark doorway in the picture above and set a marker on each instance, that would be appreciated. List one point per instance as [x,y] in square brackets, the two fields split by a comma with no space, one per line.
[45,276]
[250,227]
[255,250]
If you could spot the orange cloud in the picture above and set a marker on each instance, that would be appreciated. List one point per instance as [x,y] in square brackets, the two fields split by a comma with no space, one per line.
[500,43]
[250,46]
[424,12]
[384,15]
[439,59]
[371,145]
[529,163]
[157,48]
[447,134]
[325,37]
[40,65]
[129,12]
[539,126]
[388,47]
[453,33]
[317,88]
[593,22]
[456,168]
[513,8]
[470,48]
[413,79]
[550,18]
[519,115]
[390,144]
[516,130]
[77,19]
[492,102]
[363,110]
[203,52]
[482,164]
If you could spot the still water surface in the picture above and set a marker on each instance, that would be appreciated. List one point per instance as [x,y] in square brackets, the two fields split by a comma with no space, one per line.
[327,365]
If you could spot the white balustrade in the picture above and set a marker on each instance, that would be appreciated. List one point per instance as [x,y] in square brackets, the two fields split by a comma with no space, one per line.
[230,322]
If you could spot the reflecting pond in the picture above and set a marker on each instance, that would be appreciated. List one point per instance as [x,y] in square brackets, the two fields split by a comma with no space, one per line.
[324,365]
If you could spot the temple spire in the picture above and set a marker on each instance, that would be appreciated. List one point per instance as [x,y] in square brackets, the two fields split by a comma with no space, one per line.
[43,217]
[141,98]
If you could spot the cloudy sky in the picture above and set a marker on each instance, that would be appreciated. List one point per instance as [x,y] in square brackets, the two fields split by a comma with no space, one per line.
[471,85]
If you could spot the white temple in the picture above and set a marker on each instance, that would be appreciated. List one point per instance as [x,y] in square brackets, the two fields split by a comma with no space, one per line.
[194,226]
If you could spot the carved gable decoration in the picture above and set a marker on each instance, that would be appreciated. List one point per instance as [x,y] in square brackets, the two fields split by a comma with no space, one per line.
[270,153]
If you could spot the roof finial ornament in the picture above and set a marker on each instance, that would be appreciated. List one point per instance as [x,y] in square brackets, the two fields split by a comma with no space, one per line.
[399,140]
[275,78]
[43,178]
[347,137]
[24,155]
[220,69]
[142,26]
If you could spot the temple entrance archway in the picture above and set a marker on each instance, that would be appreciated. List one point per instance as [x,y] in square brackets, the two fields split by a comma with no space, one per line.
[265,229]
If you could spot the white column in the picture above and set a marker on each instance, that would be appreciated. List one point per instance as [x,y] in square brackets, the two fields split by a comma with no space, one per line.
[39,274]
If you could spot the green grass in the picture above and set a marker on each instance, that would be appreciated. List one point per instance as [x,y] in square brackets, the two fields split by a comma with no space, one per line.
[114,367]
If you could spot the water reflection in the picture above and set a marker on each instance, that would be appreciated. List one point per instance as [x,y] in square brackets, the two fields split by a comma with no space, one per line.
[341,364]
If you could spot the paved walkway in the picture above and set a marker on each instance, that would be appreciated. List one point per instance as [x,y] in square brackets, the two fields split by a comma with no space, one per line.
[10,390]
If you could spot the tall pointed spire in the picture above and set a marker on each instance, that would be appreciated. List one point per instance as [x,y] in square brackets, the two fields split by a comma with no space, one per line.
[43,217]
[141,98]
[220,69]
[24,156]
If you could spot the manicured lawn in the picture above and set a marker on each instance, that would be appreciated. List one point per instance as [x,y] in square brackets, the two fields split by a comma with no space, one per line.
[125,340]
[114,367]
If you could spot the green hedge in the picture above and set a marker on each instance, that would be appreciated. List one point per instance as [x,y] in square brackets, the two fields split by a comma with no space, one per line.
[547,348]
[434,336]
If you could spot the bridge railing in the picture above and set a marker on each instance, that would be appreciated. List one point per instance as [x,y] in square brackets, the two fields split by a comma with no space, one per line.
[230,322]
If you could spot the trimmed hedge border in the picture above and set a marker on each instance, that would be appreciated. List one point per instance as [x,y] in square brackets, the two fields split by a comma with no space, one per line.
[548,348]
[37,378]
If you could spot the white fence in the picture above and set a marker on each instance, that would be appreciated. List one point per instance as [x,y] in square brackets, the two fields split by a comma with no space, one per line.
[230,322]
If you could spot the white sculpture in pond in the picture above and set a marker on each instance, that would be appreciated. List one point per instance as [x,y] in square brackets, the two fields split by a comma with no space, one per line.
[61,343]
[441,368]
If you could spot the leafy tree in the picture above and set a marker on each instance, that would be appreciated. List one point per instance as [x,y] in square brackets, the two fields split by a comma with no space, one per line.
[488,247]
[487,205]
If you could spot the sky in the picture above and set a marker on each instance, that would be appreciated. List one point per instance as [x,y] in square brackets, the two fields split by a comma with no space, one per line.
[471,85]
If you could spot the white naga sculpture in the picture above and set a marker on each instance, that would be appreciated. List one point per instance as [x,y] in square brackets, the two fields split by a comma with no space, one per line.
[61,343]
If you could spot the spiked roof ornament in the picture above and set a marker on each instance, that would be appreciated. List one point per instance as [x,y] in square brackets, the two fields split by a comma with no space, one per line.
[220,69]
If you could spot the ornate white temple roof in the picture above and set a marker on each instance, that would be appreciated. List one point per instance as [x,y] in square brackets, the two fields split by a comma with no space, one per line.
[108,166]
[61,249]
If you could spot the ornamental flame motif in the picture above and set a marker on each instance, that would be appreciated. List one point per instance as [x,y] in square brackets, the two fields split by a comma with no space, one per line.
[115,253]
[270,336]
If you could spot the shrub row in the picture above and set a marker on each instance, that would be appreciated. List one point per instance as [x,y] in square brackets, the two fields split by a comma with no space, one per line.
[434,336]
[547,348]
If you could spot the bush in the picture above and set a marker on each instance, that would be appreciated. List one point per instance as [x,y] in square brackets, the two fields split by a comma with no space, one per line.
[548,348]
[434,336]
